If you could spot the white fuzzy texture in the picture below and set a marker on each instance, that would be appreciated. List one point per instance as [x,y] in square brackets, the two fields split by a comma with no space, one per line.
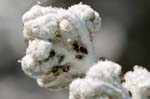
[88,16]
[101,82]
[37,11]
[31,67]
[106,71]
[60,50]
[59,38]
[138,83]
[39,49]
[43,27]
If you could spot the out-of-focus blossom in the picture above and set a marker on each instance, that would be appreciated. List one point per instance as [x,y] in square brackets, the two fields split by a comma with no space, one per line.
[101,82]
[138,83]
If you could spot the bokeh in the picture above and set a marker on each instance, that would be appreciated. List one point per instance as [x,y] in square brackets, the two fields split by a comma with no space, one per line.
[124,37]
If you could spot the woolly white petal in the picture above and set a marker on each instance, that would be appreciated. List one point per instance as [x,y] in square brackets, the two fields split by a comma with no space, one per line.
[34,12]
[105,70]
[95,89]
[31,67]
[138,83]
[37,11]
[39,49]
[99,83]
[89,17]
[42,27]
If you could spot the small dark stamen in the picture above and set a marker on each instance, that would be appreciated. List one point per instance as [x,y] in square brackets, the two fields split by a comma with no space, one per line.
[83,50]
[92,19]
[58,32]
[66,68]
[122,80]
[102,58]
[60,58]
[130,93]
[55,69]
[75,46]
[52,53]
[79,56]
[82,76]
[58,35]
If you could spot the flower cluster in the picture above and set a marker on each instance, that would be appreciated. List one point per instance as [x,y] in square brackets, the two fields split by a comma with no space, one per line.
[60,49]
[102,81]
[59,43]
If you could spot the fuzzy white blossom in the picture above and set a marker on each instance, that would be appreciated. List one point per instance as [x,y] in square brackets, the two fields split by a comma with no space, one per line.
[101,82]
[39,49]
[59,50]
[105,70]
[59,43]
[138,83]
[88,16]
[31,67]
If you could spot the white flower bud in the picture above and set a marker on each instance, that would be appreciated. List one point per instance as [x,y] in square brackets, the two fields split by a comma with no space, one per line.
[37,11]
[31,67]
[34,13]
[39,49]
[99,83]
[138,83]
[88,16]
[43,27]
[105,70]
[67,30]
[95,89]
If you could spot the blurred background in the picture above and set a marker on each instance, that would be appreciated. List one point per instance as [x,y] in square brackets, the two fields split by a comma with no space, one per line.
[124,37]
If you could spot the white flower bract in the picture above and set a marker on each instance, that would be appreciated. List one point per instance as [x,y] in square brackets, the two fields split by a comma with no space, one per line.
[138,83]
[39,49]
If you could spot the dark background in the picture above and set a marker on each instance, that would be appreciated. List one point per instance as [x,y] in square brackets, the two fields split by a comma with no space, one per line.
[124,37]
